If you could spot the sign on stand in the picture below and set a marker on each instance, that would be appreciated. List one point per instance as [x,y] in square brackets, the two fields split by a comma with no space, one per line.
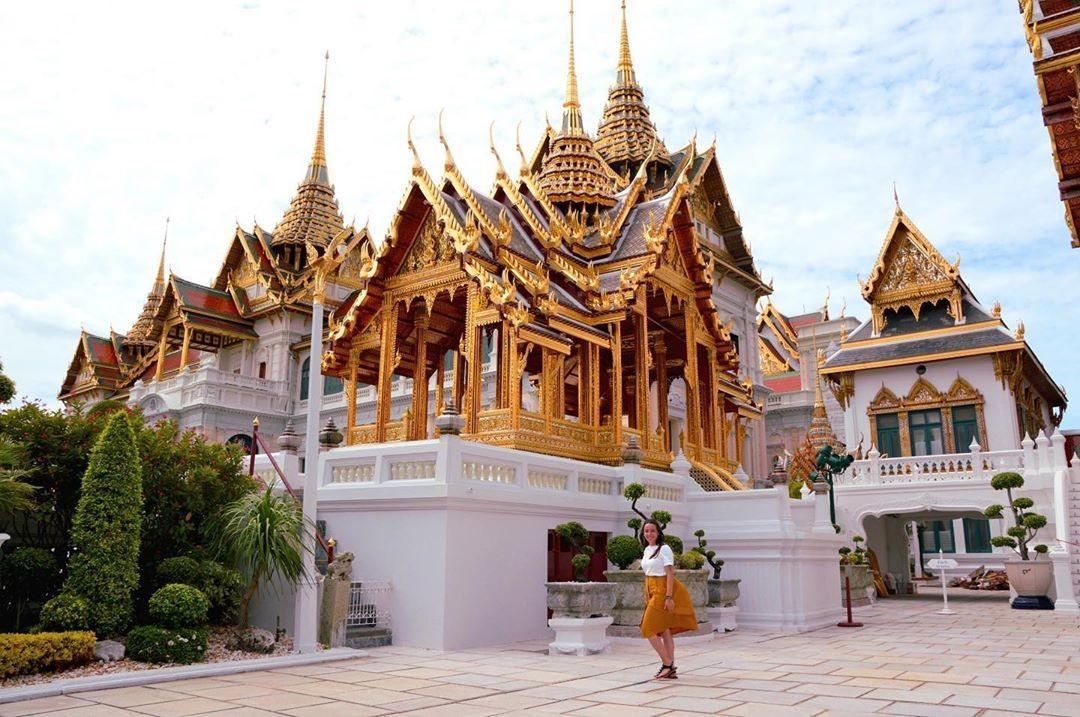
[941,563]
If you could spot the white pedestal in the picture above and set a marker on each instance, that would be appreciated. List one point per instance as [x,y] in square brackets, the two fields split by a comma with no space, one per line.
[580,636]
[724,619]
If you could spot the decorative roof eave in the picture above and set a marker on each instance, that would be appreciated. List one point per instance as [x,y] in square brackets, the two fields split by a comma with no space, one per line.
[871,287]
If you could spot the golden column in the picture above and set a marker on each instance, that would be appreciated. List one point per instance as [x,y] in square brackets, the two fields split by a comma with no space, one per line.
[616,382]
[691,377]
[662,393]
[420,380]
[473,360]
[350,395]
[185,348]
[387,364]
[641,375]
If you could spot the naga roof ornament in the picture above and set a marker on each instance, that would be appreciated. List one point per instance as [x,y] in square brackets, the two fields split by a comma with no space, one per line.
[626,130]
[573,172]
[313,216]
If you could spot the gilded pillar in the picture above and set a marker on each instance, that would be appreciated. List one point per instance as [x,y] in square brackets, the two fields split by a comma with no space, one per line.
[456,382]
[513,370]
[387,364]
[472,387]
[420,380]
[662,393]
[160,372]
[593,398]
[440,381]
[350,396]
[641,377]
[691,377]
[185,347]
[616,382]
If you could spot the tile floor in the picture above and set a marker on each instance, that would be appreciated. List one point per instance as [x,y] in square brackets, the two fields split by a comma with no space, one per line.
[986,660]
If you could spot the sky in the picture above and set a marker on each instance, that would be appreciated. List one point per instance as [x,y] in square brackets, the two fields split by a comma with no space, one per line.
[115,116]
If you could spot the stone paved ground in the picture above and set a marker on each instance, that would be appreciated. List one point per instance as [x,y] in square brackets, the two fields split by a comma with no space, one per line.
[985,660]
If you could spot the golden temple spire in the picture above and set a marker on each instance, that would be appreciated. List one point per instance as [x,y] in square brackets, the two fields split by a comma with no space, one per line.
[318,156]
[571,122]
[626,66]
[159,283]
[626,130]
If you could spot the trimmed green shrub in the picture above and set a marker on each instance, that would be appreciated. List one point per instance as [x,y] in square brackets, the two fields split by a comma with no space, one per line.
[675,542]
[104,571]
[710,555]
[575,533]
[623,550]
[692,560]
[224,588]
[65,612]
[177,606]
[185,571]
[156,644]
[43,652]
[29,576]
[1025,524]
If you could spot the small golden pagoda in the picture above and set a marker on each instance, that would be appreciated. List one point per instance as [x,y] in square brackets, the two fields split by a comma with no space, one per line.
[595,297]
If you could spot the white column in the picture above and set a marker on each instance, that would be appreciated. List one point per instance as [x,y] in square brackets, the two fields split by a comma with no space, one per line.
[913,546]
[959,539]
[307,609]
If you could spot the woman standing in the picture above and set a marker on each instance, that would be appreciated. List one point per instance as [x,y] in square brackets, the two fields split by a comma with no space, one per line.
[668,610]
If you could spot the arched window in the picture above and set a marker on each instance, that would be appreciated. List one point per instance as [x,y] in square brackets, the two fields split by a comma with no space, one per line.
[331,384]
[243,440]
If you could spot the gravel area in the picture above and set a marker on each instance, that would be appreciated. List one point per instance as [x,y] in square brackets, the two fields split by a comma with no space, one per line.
[215,652]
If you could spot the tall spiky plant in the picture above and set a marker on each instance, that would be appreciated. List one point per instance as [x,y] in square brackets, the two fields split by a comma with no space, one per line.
[263,532]
[15,495]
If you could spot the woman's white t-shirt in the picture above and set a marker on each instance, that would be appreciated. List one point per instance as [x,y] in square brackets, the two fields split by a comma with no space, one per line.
[655,566]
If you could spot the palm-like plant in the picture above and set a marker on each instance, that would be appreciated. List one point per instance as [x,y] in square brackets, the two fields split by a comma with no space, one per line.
[264,533]
[15,495]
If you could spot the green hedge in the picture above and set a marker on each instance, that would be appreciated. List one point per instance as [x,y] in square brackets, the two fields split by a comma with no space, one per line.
[157,644]
[177,606]
[46,651]
[65,612]
[181,570]
[222,586]
[104,570]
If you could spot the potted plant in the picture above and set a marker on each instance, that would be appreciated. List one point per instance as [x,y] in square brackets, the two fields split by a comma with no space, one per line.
[853,564]
[722,593]
[580,610]
[1028,576]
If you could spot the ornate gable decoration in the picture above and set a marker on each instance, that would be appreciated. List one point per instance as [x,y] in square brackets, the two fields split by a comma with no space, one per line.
[430,248]
[909,273]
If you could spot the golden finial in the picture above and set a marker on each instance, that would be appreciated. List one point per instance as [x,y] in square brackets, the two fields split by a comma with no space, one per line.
[255,421]
[572,122]
[500,171]
[626,67]
[448,163]
[825,306]
[1020,332]
[417,166]
[896,197]
[996,312]
[160,281]
[318,157]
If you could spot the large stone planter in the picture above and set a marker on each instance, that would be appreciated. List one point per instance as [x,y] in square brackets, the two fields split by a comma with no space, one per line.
[861,579]
[630,600]
[580,600]
[723,593]
[1031,579]
[581,614]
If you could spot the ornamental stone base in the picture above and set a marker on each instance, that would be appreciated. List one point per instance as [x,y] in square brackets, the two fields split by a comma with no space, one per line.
[579,636]
[723,619]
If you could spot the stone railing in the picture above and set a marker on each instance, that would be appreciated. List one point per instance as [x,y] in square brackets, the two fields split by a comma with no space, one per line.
[205,384]
[351,472]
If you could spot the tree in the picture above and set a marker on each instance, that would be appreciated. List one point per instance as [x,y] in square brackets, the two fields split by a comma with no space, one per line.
[1025,523]
[104,569]
[264,533]
[15,493]
[7,386]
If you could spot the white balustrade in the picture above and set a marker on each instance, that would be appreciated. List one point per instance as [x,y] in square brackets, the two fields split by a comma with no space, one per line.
[594,485]
[412,470]
[975,465]
[657,491]
[488,472]
[546,480]
[353,473]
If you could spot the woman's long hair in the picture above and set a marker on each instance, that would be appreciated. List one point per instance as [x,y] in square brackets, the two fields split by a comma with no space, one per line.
[659,537]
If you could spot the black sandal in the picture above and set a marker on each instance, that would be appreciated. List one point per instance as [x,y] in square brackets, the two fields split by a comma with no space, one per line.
[670,671]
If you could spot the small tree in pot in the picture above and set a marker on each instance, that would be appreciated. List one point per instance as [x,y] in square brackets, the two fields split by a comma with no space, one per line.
[1029,578]
[578,537]
[579,598]
[722,593]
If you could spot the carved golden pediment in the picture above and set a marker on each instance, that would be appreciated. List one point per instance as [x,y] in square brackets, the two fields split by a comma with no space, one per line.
[431,247]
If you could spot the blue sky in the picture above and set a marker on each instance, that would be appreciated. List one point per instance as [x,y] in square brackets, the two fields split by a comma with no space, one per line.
[122,114]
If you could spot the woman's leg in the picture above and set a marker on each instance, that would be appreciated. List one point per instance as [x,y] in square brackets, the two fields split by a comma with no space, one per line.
[669,646]
[661,649]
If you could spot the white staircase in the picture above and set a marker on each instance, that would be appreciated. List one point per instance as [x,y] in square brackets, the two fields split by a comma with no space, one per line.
[1074,523]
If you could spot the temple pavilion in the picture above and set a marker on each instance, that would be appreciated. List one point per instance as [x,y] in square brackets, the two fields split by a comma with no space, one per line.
[591,274]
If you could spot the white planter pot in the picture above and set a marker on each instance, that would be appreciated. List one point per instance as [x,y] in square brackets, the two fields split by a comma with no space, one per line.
[579,636]
[1031,580]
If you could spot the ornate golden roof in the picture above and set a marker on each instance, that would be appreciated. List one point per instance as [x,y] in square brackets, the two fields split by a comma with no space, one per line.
[820,433]
[626,130]
[312,216]
[573,171]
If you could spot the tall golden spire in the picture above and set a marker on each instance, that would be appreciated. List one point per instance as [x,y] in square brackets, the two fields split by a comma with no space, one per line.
[318,156]
[571,121]
[573,173]
[143,332]
[159,284]
[312,216]
[626,130]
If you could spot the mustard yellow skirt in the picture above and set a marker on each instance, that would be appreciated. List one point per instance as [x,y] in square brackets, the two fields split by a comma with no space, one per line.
[656,619]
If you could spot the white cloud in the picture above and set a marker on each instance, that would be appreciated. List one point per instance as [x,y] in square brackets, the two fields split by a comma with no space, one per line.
[114,116]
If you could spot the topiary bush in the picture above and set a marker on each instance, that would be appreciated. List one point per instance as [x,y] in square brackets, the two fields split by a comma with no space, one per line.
[1025,523]
[44,652]
[179,606]
[692,560]
[710,555]
[623,550]
[65,613]
[104,570]
[675,542]
[183,570]
[224,588]
[157,644]
[578,537]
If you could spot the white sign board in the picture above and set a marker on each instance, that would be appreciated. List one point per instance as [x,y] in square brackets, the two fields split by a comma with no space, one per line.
[942,564]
